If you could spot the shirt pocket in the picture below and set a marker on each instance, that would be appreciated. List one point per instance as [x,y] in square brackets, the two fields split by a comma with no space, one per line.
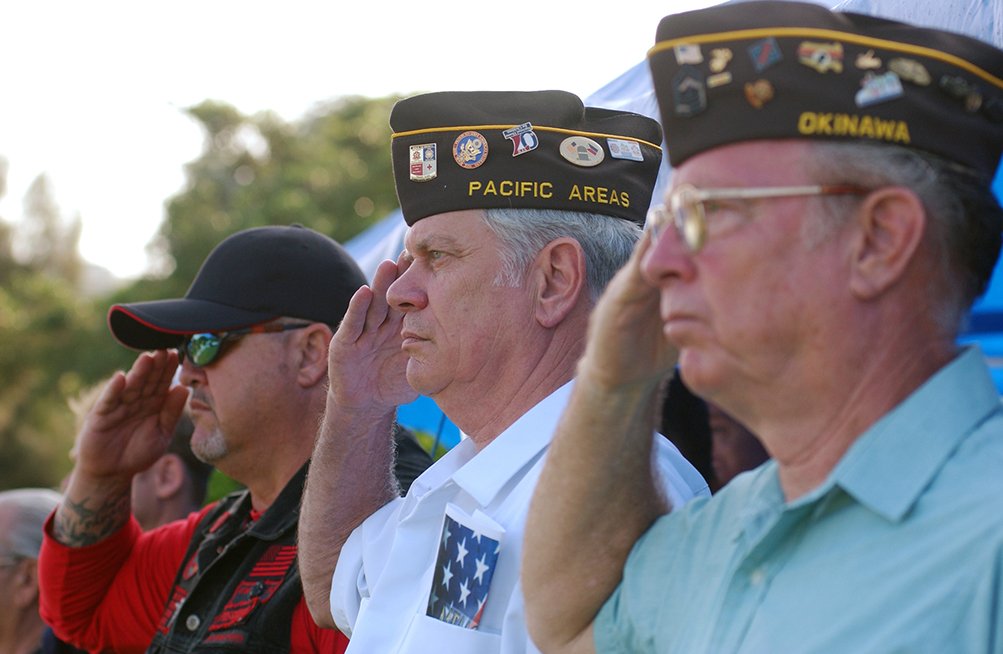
[427,634]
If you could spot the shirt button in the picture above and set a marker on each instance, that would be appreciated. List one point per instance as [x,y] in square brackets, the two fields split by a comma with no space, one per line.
[756,576]
[192,622]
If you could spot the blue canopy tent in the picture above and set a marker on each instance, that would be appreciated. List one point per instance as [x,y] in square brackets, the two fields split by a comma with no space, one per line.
[632,91]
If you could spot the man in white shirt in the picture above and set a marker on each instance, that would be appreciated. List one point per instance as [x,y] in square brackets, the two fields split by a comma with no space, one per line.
[521,206]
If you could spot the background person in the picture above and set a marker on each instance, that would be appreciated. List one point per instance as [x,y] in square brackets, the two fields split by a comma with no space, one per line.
[734,449]
[254,330]
[830,224]
[22,631]
[175,485]
[717,445]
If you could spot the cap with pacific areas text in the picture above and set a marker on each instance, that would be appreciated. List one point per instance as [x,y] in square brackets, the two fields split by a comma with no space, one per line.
[521,149]
[774,69]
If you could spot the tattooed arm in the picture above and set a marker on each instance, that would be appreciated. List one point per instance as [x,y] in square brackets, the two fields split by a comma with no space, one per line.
[128,429]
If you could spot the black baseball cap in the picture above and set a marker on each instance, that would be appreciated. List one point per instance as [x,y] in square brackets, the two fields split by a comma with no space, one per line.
[251,277]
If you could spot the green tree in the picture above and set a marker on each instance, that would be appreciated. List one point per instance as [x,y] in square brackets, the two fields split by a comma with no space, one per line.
[330,170]
[49,246]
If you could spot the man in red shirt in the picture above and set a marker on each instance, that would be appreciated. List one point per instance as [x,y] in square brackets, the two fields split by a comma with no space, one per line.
[252,334]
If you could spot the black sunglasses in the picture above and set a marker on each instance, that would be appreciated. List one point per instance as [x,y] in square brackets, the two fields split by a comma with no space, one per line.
[203,349]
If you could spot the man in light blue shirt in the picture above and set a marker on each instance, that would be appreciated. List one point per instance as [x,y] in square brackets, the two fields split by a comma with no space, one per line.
[830,223]
[900,545]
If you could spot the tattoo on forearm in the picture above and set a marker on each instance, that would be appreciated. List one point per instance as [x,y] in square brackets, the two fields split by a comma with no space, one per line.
[78,525]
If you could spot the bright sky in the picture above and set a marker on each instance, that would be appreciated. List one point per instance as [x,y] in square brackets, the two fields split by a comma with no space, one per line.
[92,92]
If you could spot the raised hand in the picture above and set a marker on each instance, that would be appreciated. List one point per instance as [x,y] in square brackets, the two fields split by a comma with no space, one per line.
[128,429]
[626,344]
[366,364]
[351,471]
[132,421]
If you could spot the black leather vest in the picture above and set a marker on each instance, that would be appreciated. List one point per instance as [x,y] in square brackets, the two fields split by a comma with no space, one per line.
[239,583]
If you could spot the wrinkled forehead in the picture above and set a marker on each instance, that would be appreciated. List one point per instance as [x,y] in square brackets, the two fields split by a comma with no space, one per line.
[454,227]
[742,164]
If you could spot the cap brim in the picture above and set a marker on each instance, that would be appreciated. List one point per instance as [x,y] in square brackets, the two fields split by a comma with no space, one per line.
[163,324]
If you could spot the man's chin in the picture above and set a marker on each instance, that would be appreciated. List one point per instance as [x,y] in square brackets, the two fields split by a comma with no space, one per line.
[422,379]
[208,447]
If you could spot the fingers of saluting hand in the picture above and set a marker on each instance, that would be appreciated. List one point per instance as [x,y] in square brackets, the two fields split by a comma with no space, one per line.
[148,380]
[379,309]
[626,342]
[354,321]
[631,276]
[368,311]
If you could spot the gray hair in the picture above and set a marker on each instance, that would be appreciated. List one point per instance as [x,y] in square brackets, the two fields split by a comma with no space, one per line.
[31,507]
[606,241]
[964,218]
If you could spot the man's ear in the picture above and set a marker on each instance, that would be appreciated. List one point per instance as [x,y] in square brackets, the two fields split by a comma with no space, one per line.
[24,583]
[168,476]
[314,342]
[560,277]
[891,222]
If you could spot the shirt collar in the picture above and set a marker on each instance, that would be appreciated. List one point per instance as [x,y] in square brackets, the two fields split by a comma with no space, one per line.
[890,465]
[484,476]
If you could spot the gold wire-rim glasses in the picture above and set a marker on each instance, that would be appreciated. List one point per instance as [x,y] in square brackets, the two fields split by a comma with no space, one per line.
[686,211]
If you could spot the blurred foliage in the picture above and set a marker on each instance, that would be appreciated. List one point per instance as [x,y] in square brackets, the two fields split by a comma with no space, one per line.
[220,486]
[428,441]
[329,170]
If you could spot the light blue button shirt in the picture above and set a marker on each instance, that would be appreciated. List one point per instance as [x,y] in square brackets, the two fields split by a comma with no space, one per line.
[899,550]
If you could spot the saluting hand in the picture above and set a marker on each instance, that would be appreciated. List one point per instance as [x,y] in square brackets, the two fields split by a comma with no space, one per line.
[128,429]
[132,421]
[626,344]
[366,365]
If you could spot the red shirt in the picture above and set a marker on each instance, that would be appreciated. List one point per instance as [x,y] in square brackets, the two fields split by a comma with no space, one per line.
[111,595]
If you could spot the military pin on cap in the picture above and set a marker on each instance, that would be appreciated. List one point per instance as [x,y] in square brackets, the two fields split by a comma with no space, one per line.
[878,88]
[910,70]
[765,53]
[688,53]
[423,162]
[689,92]
[523,138]
[867,61]
[470,149]
[624,149]
[823,57]
[962,89]
[759,92]
[719,58]
[582,151]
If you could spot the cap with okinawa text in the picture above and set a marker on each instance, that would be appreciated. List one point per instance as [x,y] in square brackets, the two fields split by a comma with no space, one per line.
[521,149]
[253,276]
[777,69]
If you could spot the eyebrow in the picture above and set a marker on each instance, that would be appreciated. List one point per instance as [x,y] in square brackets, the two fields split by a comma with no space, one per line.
[432,242]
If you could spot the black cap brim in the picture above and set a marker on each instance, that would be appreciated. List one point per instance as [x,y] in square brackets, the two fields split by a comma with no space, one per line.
[163,324]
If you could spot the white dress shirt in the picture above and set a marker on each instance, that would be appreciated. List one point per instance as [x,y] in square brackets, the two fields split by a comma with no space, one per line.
[380,589]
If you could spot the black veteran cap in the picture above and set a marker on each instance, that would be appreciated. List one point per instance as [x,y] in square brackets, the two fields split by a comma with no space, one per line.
[521,149]
[775,69]
[251,277]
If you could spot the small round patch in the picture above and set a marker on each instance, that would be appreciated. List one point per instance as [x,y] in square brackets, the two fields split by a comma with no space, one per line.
[470,149]
[582,151]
